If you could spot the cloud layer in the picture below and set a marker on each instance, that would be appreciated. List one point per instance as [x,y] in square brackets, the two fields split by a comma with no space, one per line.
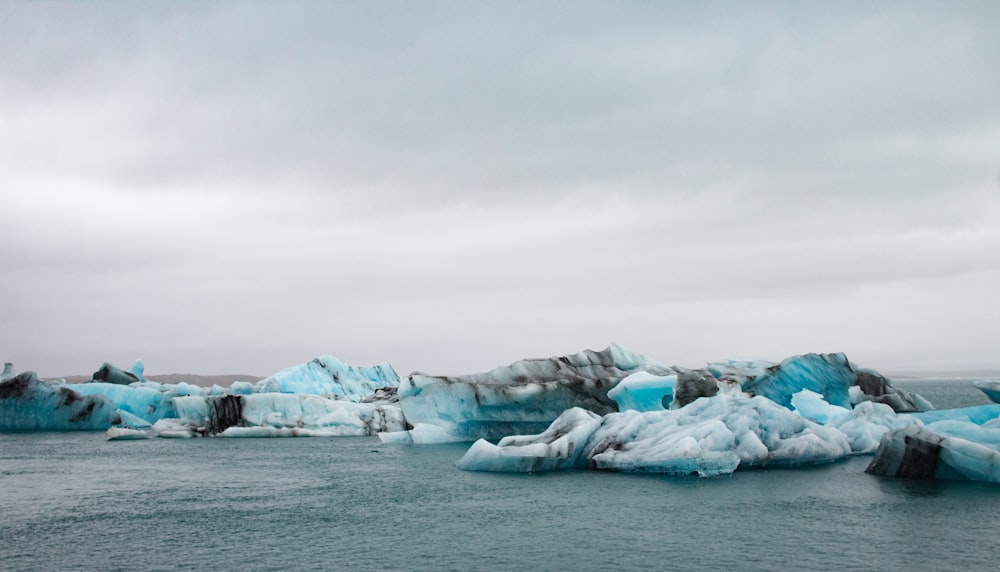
[451,186]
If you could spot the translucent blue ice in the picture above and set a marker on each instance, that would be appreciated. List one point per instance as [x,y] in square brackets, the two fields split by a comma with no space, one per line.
[327,375]
[29,404]
[643,391]
[978,414]
[142,401]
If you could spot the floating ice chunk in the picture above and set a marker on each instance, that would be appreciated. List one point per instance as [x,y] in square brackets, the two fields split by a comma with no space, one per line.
[29,404]
[256,432]
[813,407]
[932,453]
[991,387]
[125,434]
[523,397]
[173,429]
[559,447]
[643,391]
[327,375]
[709,437]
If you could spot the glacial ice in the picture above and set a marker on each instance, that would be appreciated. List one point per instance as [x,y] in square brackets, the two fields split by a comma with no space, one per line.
[30,404]
[830,375]
[524,396]
[327,375]
[991,387]
[138,399]
[643,391]
[611,410]
[710,436]
[282,414]
[108,373]
[977,414]
[813,407]
[125,434]
[950,450]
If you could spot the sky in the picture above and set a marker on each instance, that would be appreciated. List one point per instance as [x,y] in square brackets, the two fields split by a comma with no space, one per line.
[238,187]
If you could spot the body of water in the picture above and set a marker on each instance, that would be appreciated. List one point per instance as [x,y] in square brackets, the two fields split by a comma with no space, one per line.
[73,501]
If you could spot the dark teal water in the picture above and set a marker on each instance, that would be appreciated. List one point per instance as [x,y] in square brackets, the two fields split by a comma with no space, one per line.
[78,502]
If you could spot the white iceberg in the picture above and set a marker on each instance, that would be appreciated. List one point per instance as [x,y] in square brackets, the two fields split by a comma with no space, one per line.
[711,436]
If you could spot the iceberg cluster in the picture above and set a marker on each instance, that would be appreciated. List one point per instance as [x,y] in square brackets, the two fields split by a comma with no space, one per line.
[709,437]
[606,410]
[324,397]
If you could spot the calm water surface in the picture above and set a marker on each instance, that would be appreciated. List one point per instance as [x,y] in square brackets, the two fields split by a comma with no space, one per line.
[74,501]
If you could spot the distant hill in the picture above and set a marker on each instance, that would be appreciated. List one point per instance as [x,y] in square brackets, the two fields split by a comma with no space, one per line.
[202,380]
[967,374]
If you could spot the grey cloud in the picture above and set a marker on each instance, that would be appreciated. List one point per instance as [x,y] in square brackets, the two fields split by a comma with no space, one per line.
[454,186]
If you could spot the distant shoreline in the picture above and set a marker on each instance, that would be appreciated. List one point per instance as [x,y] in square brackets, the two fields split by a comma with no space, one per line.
[194,379]
[228,379]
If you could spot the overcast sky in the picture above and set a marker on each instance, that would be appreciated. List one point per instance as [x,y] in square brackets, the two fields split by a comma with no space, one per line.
[237,187]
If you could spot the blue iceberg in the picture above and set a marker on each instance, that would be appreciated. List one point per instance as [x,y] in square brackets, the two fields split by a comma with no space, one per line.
[30,404]
[326,375]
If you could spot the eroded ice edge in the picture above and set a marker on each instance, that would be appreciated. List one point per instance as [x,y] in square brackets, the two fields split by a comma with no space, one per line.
[609,410]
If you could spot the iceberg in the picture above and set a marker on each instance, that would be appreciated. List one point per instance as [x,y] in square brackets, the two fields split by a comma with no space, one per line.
[326,375]
[991,387]
[125,434]
[30,404]
[711,436]
[948,450]
[524,396]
